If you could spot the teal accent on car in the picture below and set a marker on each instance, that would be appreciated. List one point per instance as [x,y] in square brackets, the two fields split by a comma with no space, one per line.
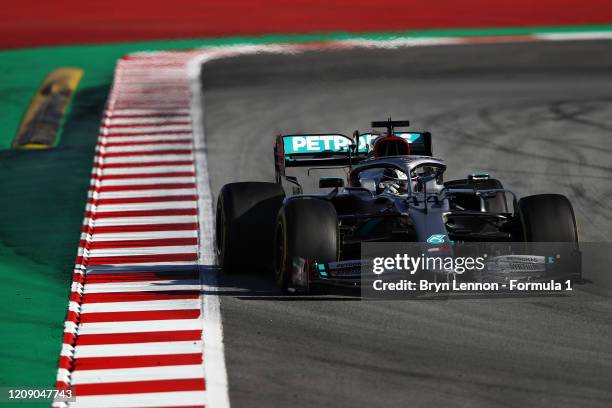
[436,239]
[308,144]
[322,272]
[336,143]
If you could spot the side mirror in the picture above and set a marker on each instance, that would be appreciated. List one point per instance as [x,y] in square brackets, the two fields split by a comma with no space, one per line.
[331,182]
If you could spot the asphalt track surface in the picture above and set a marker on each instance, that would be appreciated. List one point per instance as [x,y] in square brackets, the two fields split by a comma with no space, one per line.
[538,116]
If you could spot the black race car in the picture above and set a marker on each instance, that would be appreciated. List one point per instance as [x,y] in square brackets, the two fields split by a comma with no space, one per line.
[388,188]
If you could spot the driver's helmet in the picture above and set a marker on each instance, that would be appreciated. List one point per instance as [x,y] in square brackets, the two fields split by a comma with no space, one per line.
[391,146]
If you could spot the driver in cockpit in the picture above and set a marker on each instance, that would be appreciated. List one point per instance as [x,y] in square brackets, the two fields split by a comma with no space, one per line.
[391,178]
[378,179]
[385,146]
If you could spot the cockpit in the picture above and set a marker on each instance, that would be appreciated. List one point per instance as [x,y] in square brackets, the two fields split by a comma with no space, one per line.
[399,176]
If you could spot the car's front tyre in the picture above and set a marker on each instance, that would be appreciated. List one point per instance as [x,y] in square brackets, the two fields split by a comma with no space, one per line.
[307,229]
[547,218]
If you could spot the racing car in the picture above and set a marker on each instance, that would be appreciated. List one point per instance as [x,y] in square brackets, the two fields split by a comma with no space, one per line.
[388,187]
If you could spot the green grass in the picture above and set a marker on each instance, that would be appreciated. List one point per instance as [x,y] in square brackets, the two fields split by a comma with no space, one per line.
[42,204]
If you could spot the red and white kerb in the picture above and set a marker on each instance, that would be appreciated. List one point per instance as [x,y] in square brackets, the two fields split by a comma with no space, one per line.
[133,333]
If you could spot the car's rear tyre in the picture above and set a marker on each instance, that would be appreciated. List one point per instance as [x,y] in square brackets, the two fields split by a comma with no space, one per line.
[547,218]
[245,222]
[308,229]
[496,203]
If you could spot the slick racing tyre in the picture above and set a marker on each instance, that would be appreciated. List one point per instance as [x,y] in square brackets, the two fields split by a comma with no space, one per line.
[307,229]
[496,203]
[245,222]
[547,218]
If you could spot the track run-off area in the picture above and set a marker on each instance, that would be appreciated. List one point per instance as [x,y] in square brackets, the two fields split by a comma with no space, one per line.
[144,324]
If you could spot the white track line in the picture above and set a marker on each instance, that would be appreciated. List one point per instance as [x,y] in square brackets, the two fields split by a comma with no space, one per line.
[119,221]
[144,326]
[127,236]
[138,349]
[594,35]
[145,170]
[146,193]
[178,249]
[183,304]
[153,158]
[137,374]
[214,350]
[143,180]
[146,206]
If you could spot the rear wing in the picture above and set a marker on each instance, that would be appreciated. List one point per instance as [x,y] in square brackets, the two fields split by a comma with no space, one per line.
[328,149]
[389,124]
[322,149]
[420,142]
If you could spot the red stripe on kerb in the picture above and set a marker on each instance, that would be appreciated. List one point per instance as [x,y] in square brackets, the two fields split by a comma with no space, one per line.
[119,260]
[146,153]
[138,187]
[131,338]
[136,200]
[112,115]
[72,316]
[142,213]
[147,164]
[142,175]
[139,244]
[134,104]
[149,133]
[132,125]
[97,363]
[178,93]
[69,338]
[65,362]
[140,316]
[187,226]
[141,276]
[138,387]
[148,142]
[137,296]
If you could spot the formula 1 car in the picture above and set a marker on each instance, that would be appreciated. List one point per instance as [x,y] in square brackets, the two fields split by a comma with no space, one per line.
[390,189]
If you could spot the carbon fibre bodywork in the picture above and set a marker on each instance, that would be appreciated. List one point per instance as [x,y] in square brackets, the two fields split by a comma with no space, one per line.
[404,199]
